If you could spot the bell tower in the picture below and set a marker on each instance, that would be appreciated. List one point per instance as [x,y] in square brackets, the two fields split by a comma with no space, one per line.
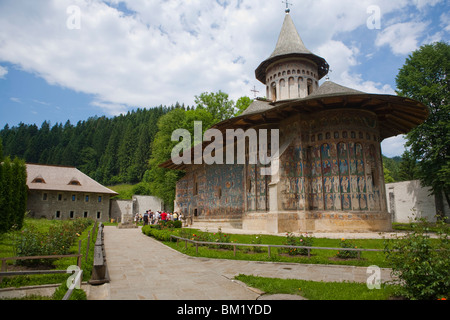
[292,71]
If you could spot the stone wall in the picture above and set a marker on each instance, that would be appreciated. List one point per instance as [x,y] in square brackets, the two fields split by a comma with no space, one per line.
[68,205]
[409,199]
[121,210]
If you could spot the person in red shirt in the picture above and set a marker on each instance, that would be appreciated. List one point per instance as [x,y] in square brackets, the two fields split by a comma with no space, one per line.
[163,216]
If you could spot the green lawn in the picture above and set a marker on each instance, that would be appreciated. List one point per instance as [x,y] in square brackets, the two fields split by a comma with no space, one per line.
[312,290]
[317,256]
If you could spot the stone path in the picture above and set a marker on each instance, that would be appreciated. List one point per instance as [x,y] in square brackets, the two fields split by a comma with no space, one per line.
[141,268]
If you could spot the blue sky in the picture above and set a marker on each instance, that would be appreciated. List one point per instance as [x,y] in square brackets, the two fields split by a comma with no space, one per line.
[73,59]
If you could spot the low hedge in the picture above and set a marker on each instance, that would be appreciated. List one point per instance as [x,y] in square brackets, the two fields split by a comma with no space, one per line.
[158,234]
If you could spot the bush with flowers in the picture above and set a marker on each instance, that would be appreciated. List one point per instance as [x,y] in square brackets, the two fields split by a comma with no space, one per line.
[303,240]
[57,240]
[347,254]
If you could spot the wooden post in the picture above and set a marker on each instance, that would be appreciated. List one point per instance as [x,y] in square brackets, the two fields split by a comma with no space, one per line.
[234,250]
[79,252]
[269,251]
[196,247]
[3,268]
[185,244]
[87,246]
[309,253]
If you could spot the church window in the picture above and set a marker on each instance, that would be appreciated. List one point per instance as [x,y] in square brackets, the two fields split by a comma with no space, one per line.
[74,197]
[336,135]
[59,197]
[310,89]
[44,196]
[274,91]
[353,135]
[328,135]
[344,135]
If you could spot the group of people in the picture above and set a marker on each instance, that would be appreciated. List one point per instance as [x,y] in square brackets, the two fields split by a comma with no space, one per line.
[150,217]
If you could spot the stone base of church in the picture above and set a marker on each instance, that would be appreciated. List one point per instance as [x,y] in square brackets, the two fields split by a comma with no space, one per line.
[309,221]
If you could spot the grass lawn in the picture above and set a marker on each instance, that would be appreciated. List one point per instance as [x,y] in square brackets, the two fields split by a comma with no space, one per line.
[7,250]
[312,290]
[317,256]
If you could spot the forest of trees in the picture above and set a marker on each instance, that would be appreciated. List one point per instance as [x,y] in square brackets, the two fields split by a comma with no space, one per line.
[110,150]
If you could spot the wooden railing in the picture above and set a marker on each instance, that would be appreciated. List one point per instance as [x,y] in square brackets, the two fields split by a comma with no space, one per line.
[5,273]
[269,246]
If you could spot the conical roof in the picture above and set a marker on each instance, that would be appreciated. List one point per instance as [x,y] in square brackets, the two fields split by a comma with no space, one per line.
[289,40]
[290,44]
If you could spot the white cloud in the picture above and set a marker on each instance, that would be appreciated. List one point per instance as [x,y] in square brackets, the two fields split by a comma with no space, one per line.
[160,52]
[394,147]
[403,38]
[3,72]
[16,100]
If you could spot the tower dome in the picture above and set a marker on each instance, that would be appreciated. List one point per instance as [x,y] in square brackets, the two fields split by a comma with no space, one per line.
[291,71]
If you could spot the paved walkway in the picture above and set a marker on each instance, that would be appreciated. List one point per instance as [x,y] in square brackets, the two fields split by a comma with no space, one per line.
[141,268]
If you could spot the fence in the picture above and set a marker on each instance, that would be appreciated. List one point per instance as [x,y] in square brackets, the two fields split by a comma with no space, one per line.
[269,246]
[4,272]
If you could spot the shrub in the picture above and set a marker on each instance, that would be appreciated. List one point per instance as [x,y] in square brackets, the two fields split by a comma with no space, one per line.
[421,263]
[257,240]
[158,234]
[222,238]
[56,241]
[347,254]
[300,241]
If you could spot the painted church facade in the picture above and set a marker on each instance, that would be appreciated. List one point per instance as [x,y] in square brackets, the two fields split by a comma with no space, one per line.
[330,170]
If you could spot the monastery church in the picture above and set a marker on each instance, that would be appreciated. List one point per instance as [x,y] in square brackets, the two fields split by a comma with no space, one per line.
[330,174]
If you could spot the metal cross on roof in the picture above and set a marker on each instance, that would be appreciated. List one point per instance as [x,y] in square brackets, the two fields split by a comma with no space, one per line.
[254,91]
[287,6]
